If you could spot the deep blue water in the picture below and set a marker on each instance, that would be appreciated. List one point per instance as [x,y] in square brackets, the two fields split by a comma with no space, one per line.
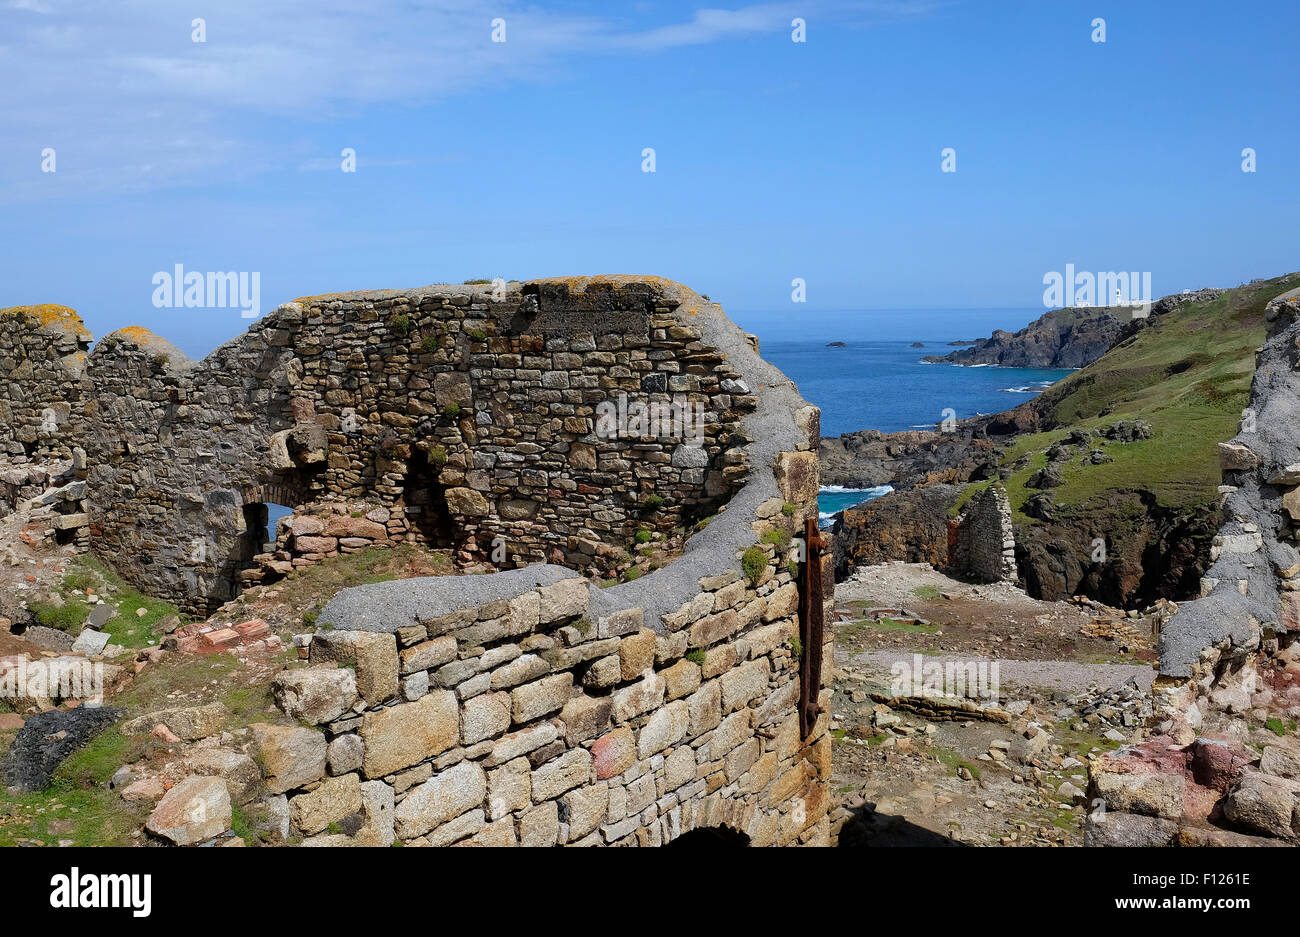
[883,385]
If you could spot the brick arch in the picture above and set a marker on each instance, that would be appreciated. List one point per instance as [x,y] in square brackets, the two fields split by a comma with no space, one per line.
[273,493]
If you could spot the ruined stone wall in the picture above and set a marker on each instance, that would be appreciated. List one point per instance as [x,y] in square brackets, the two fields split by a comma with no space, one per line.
[536,720]
[471,417]
[530,707]
[986,546]
[42,359]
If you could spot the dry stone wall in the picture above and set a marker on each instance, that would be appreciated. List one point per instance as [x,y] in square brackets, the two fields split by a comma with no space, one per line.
[985,545]
[550,421]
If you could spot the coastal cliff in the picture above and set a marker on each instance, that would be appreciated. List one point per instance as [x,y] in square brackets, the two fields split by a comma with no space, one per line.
[1061,338]
[1112,473]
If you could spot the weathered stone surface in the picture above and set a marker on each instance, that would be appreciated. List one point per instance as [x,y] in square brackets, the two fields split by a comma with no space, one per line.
[585,717]
[376,663]
[1158,795]
[242,776]
[403,735]
[333,800]
[681,679]
[291,756]
[196,809]
[345,753]
[429,654]
[636,654]
[509,788]
[665,728]
[744,683]
[187,722]
[315,694]
[1265,804]
[796,476]
[540,826]
[584,808]
[641,697]
[485,716]
[443,797]
[564,599]
[534,700]
[561,774]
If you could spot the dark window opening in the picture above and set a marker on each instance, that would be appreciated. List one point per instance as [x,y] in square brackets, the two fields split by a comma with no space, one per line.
[709,836]
[426,503]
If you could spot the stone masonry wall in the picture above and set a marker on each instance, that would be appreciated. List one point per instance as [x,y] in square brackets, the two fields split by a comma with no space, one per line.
[986,546]
[530,707]
[42,358]
[470,416]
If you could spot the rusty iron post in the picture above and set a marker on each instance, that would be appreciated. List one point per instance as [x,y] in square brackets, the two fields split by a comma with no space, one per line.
[811,627]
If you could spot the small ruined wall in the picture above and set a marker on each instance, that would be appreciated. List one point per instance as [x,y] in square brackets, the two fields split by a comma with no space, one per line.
[986,546]
[42,359]
[492,422]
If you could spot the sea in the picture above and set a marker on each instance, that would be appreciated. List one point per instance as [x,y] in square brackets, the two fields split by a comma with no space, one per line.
[884,385]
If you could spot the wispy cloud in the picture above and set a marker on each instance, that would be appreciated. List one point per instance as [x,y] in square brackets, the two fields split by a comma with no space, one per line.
[130,101]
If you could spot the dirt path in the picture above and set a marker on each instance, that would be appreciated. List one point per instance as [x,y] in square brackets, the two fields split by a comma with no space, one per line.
[1060,675]
[1068,691]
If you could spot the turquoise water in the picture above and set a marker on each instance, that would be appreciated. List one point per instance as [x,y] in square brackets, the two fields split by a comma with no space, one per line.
[885,386]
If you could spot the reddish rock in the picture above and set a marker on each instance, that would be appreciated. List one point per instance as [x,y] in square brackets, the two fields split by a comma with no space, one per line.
[355,527]
[1218,764]
[306,526]
[314,544]
[613,753]
[220,637]
[254,629]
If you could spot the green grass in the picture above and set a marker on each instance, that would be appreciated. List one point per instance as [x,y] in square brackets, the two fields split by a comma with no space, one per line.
[892,624]
[77,806]
[1187,373]
[926,592]
[126,628]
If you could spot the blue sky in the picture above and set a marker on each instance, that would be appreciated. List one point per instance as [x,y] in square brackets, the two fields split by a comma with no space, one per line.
[774,159]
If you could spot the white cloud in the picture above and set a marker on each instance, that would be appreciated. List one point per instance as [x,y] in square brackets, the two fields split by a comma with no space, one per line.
[129,101]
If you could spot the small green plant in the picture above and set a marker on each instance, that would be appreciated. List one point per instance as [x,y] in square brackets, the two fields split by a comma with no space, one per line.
[778,538]
[632,574]
[654,502]
[309,617]
[788,509]
[796,647]
[400,324]
[1277,726]
[753,561]
[696,656]
[451,411]
[477,334]
[793,568]
[479,282]
[583,625]
[438,455]
[643,536]
[430,343]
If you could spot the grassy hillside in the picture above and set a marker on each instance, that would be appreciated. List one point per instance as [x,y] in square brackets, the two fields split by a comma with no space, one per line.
[1187,373]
